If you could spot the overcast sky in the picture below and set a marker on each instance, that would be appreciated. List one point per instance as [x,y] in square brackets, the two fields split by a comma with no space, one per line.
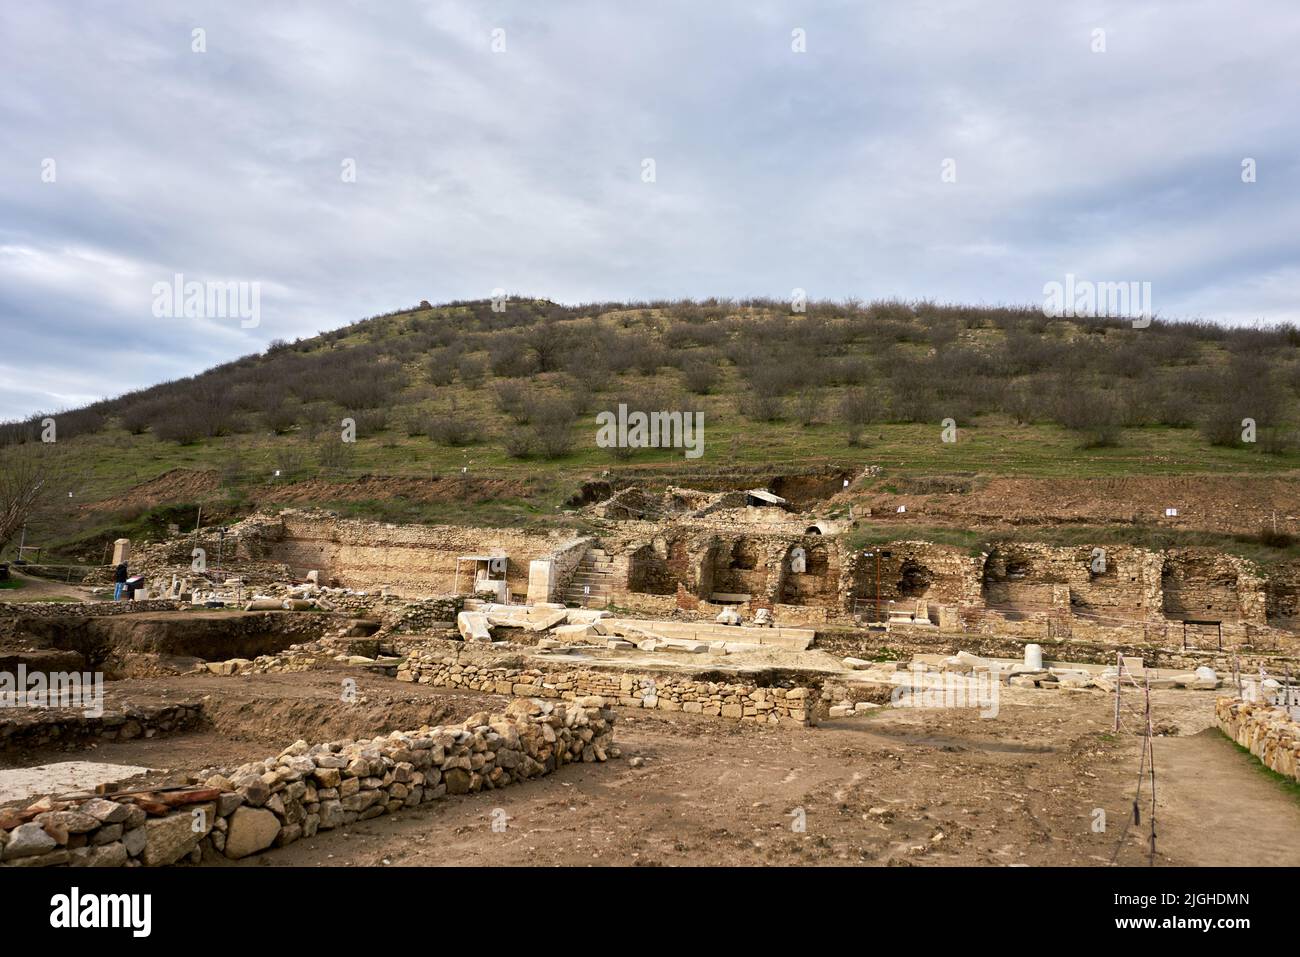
[523,168]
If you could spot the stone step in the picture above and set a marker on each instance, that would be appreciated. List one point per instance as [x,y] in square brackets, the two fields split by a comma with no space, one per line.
[596,588]
[580,597]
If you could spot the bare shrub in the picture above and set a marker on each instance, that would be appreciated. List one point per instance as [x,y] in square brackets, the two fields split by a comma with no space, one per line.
[551,422]
[511,398]
[335,454]
[806,406]
[518,443]
[509,355]
[700,376]
[1096,415]
[453,428]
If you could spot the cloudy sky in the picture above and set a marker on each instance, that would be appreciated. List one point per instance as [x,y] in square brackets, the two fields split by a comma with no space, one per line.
[502,144]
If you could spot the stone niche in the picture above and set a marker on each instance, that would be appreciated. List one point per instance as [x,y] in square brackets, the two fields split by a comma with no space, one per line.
[649,571]
[818,583]
[1200,586]
[740,566]
[910,572]
[1012,581]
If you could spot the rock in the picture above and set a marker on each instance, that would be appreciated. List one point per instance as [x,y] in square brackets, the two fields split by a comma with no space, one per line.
[251,830]
[255,792]
[28,840]
[227,803]
[332,814]
[107,812]
[856,664]
[107,834]
[105,855]
[473,626]
[573,632]
[69,822]
[134,841]
[457,780]
[168,839]
[52,859]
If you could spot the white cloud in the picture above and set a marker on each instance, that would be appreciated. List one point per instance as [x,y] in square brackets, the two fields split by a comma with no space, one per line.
[522,170]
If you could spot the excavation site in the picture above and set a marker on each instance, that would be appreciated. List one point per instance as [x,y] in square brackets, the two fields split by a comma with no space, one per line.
[732,682]
[712,445]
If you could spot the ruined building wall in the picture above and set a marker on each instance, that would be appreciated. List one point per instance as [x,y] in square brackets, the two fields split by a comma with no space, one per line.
[413,560]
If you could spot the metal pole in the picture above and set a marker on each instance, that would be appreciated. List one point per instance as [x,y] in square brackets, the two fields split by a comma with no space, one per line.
[1151,761]
[877,586]
[1119,684]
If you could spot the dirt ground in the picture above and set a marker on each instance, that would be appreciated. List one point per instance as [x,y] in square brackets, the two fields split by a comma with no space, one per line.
[1217,503]
[902,786]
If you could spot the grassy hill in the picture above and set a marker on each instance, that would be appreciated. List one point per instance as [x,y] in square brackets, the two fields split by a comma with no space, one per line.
[511,390]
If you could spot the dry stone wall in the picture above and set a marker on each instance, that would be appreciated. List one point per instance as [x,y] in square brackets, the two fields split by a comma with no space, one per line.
[725,699]
[33,729]
[306,789]
[83,609]
[1269,733]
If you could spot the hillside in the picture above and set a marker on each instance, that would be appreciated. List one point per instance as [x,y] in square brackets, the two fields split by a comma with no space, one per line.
[503,401]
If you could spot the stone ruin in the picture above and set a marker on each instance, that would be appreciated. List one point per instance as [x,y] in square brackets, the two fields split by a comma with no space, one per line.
[305,789]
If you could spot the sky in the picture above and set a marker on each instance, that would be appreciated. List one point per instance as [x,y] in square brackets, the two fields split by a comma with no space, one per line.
[342,160]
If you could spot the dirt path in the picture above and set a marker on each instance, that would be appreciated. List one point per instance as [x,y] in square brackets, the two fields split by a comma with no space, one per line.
[1215,806]
[897,789]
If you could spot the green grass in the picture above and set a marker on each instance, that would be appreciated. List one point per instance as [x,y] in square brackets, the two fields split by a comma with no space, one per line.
[12,583]
[108,463]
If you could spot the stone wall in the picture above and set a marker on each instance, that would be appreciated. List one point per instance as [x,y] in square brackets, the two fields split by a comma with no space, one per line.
[34,729]
[1269,733]
[306,789]
[564,563]
[414,560]
[87,609]
[400,615]
[743,702]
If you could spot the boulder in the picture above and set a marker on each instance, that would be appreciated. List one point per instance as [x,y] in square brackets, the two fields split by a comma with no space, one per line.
[28,840]
[168,839]
[251,830]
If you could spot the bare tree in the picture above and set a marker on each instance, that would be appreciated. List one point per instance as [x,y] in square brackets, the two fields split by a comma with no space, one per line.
[26,475]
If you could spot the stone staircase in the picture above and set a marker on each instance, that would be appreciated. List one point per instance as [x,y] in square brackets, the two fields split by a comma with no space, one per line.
[596,573]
